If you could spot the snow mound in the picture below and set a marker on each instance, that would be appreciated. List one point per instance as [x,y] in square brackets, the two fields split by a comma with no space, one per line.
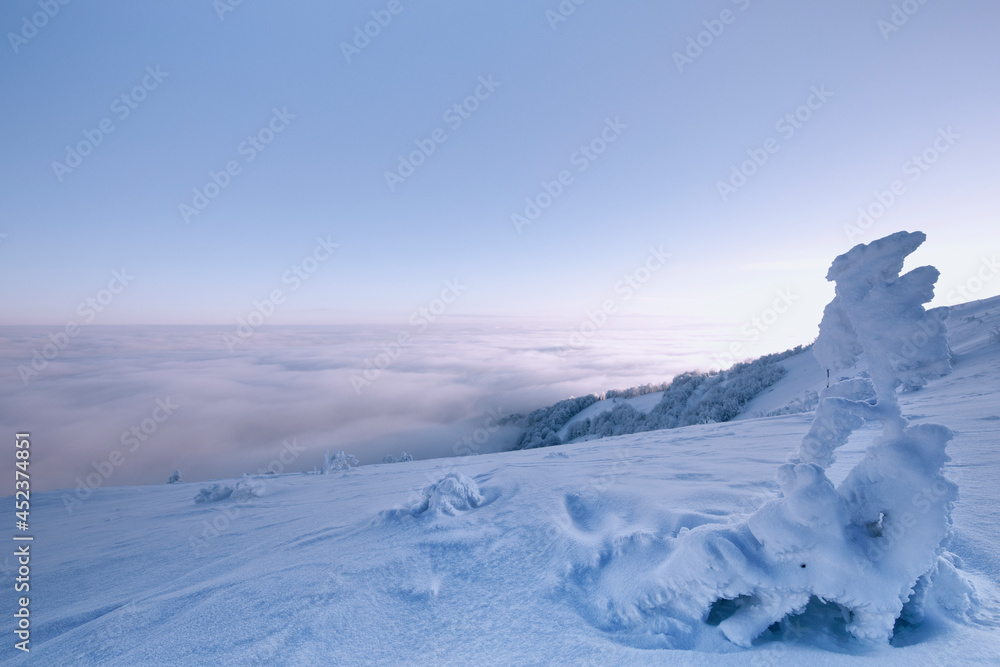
[453,494]
[239,490]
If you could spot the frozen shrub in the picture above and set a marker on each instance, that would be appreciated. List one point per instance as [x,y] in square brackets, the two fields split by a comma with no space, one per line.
[874,545]
[239,490]
[337,462]
[453,494]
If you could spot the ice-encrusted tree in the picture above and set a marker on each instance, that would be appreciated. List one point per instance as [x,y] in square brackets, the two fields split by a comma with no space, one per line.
[175,478]
[337,462]
[873,544]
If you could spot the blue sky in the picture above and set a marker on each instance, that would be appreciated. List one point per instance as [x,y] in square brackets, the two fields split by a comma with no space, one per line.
[891,94]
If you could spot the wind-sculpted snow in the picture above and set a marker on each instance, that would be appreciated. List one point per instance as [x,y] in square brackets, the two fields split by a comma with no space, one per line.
[871,546]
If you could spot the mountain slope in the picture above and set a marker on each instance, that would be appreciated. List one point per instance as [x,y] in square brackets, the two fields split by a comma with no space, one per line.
[504,563]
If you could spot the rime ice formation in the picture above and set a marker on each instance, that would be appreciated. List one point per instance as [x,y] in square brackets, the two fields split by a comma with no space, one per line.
[337,462]
[451,495]
[871,545]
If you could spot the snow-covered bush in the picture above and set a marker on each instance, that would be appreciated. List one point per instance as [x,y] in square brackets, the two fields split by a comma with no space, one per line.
[175,478]
[239,490]
[388,458]
[451,495]
[873,544]
[337,462]
[403,458]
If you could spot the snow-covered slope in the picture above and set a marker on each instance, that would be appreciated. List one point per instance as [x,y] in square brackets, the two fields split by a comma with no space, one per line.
[506,562]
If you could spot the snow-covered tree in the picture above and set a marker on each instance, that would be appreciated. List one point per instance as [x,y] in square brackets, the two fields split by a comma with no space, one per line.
[175,478]
[874,544]
[337,462]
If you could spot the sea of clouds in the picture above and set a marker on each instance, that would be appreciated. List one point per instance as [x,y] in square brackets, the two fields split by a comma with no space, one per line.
[132,404]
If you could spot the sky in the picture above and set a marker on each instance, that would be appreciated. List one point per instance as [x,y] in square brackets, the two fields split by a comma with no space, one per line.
[685,93]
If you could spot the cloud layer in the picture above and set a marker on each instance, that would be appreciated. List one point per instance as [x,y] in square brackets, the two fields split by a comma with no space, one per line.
[131,404]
